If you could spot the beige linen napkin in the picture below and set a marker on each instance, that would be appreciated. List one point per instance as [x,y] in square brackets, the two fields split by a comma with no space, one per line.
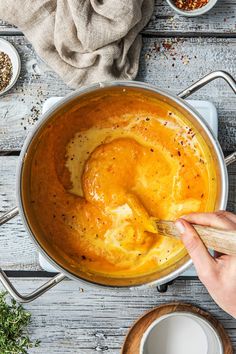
[84,41]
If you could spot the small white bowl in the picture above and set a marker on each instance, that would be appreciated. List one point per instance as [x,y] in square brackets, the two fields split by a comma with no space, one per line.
[181,333]
[198,12]
[8,48]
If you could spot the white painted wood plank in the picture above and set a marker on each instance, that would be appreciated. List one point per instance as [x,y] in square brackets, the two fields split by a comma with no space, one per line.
[67,320]
[16,249]
[194,57]
[219,21]
[6,25]
[21,107]
[174,64]
[17,252]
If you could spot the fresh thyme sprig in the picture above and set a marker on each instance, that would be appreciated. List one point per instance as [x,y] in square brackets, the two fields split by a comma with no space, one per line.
[14,320]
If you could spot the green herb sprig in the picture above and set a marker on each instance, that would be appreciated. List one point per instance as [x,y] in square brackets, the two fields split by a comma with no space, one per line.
[14,320]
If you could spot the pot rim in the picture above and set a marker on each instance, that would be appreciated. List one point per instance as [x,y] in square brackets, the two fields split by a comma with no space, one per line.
[90,88]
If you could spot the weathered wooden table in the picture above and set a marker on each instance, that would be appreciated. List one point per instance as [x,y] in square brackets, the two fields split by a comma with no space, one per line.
[176,51]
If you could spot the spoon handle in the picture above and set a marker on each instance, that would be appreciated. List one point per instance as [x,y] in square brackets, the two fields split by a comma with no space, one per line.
[218,240]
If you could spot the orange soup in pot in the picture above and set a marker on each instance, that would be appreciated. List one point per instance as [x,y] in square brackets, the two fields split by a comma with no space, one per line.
[105,167]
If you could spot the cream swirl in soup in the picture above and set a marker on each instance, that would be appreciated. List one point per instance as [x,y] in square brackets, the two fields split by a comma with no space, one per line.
[104,168]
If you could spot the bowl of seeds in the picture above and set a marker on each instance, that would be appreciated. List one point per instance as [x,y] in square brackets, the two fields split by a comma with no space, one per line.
[191,8]
[10,66]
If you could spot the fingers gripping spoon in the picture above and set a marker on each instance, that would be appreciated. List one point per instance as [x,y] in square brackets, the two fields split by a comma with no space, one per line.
[219,240]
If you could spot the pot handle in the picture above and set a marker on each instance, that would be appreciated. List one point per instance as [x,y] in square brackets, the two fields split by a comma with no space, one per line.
[204,81]
[230,159]
[8,284]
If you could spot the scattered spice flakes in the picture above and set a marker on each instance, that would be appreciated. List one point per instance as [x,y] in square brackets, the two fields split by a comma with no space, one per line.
[35,113]
[5,70]
[147,56]
[35,110]
[157,47]
[185,59]
[167,48]
[191,133]
[167,44]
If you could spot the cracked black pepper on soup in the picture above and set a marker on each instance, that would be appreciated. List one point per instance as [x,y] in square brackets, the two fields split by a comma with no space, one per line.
[5,70]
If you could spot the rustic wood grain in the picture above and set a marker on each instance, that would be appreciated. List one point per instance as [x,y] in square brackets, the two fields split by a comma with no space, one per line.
[16,249]
[8,29]
[219,21]
[171,64]
[68,320]
[174,63]
[21,107]
[133,339]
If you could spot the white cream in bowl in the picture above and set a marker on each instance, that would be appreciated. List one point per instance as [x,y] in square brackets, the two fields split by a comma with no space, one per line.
[180,333]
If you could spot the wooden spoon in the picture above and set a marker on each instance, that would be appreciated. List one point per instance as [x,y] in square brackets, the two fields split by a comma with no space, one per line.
[218,240]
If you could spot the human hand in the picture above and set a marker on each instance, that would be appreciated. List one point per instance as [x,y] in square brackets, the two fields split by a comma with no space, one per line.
[218,273]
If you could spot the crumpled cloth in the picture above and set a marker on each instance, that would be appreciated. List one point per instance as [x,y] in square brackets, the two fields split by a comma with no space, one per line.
[84,41]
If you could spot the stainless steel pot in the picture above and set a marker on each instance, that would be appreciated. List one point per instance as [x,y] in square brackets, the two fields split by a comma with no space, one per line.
[177,102]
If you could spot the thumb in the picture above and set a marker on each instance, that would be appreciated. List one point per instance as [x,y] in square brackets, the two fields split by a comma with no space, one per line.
[202,259]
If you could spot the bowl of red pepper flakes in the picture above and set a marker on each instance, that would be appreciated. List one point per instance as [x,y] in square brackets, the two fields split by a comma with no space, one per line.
[192,8]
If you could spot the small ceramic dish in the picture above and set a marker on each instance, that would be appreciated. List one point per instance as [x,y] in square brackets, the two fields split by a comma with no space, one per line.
[8,48]
[192,13]
[181,333]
